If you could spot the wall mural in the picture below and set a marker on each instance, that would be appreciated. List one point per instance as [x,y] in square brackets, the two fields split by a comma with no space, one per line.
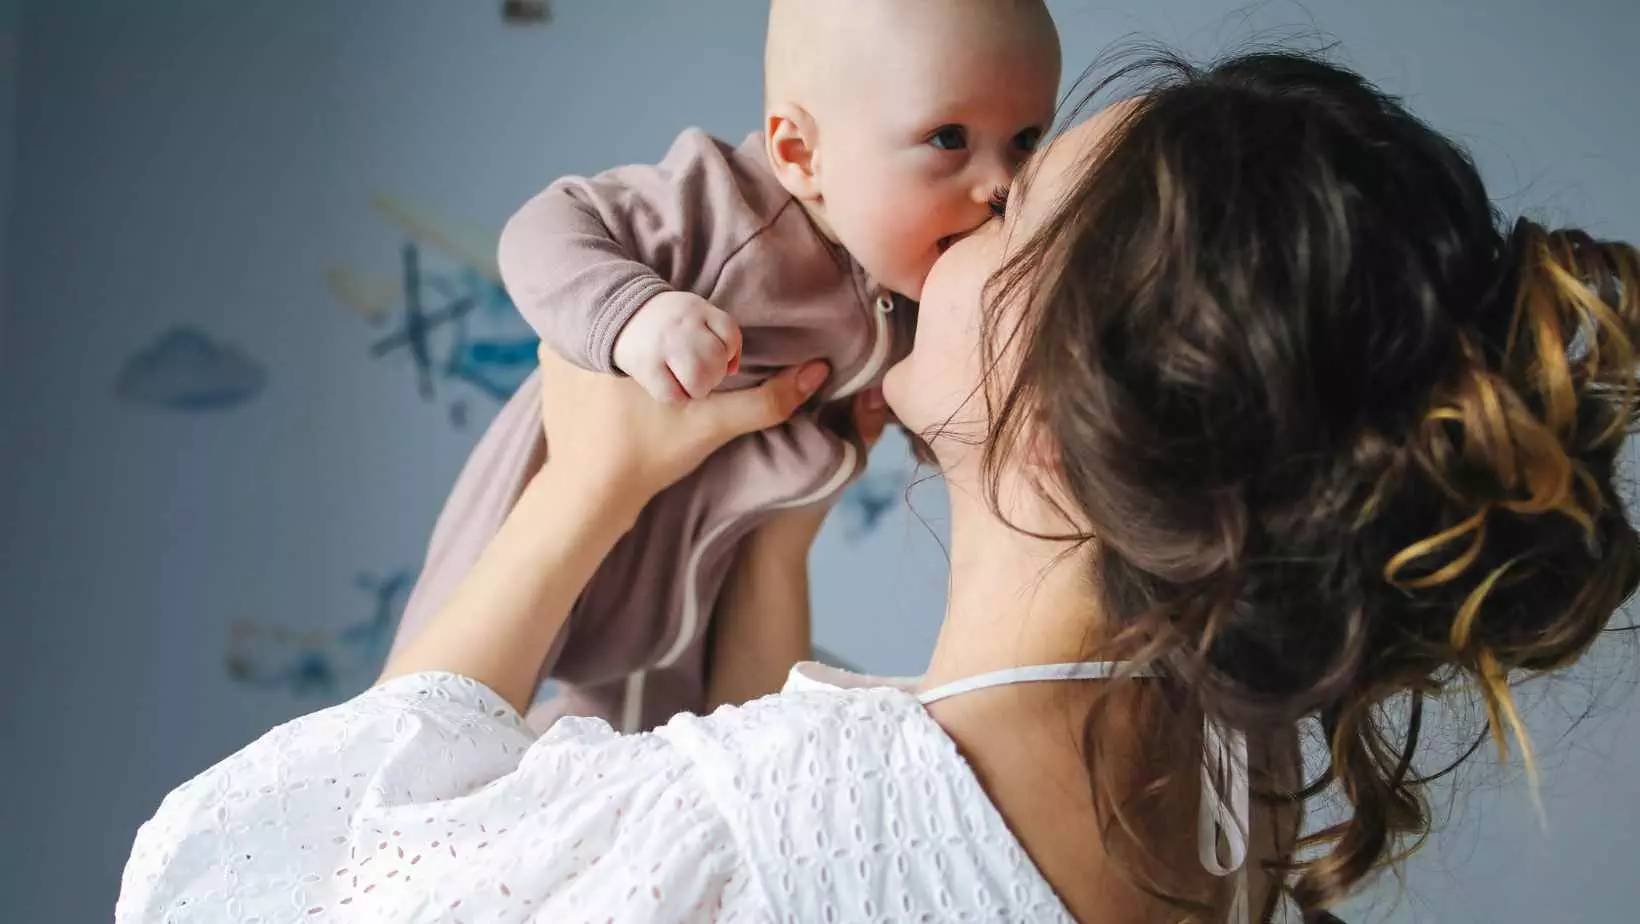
[526,12]
[187,370]
[454,324]
[333,665]
[336,665]
[872,497]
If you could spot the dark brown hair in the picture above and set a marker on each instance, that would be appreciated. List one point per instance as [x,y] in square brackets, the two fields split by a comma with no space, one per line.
[1344,438]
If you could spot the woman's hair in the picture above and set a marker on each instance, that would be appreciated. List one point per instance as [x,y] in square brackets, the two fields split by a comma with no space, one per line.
[1344,439]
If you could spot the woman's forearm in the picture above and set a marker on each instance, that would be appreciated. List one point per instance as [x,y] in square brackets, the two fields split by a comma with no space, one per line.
[501,621]
[761,626]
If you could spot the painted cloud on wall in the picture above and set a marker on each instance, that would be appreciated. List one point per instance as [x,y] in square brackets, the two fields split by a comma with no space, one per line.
[186,369]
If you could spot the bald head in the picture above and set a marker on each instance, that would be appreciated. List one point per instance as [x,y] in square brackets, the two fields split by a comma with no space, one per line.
[821,53]
[896,122]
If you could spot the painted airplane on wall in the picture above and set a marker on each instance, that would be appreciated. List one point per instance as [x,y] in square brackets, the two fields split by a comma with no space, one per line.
[455,322]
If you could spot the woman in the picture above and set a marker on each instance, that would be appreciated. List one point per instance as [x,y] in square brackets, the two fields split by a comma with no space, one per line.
[1263,419]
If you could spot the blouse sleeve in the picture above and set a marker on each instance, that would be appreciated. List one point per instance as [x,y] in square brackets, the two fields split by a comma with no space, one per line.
[428,799]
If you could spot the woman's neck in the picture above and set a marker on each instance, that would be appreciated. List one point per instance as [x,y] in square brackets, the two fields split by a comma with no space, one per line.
[1013,599]
[1016,600]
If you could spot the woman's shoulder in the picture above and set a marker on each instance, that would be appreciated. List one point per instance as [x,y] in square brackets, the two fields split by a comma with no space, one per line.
[430,790]
[824,718]
[847,800]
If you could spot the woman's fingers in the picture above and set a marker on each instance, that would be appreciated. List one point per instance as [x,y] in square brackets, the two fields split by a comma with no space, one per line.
[612,426]
[737,413]
[661,384]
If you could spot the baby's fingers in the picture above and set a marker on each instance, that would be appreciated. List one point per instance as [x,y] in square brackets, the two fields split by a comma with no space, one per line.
[727,332]
[700,363]
[657,379]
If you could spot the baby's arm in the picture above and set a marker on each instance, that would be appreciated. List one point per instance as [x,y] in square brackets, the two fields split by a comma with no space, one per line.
[585,258]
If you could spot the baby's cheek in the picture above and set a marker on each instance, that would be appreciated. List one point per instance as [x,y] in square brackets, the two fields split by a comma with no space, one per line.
[914,237]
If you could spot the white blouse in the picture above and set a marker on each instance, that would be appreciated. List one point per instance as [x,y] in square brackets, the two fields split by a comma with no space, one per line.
[428,799]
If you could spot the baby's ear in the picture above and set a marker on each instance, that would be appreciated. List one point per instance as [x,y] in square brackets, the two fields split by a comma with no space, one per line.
[789,131]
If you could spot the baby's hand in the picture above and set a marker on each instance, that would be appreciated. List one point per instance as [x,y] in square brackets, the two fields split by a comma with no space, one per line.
[678,346]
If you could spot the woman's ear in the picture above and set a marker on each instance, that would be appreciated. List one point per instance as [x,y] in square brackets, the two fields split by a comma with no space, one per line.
[793,147]
[1044,471]
[1040,456]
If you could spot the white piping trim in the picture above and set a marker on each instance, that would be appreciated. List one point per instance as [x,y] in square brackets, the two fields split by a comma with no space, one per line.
[879,352]
[691,576]
[632,705]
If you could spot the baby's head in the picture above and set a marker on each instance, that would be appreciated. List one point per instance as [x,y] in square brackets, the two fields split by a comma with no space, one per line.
[896,122]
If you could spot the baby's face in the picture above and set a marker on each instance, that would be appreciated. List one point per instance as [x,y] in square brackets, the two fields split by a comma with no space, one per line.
[910,159]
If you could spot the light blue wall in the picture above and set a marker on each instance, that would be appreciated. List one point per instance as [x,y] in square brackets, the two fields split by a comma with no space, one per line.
[198,162]
[10,44]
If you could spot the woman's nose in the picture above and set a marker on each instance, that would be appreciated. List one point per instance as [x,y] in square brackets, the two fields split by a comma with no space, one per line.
[993,175]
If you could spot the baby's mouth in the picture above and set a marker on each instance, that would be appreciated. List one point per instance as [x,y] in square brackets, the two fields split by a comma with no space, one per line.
[950,240]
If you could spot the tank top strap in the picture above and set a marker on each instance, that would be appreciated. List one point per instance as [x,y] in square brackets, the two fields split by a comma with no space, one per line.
[1033,673]
[1223,823]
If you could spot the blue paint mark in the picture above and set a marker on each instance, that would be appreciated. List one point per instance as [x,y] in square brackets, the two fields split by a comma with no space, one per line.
[186,370]
[495,367]
[869,499]
[416,331]
[440,312]
[329,664]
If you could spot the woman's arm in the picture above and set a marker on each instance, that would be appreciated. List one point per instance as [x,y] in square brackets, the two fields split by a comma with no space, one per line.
[502,619]
[611,447]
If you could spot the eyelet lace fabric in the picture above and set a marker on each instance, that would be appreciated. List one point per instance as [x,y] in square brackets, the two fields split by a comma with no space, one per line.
[428,799]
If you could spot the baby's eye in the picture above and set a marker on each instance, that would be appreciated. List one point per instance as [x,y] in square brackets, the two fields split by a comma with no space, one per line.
[949,138]
[1029,139]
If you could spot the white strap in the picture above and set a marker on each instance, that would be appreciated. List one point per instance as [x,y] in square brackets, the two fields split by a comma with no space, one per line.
[1224,770]
[1035,673]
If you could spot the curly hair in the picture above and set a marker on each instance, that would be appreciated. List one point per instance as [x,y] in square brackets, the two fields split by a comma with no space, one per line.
[1343,439]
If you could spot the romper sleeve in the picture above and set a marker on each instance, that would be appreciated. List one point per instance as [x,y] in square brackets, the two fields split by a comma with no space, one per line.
[428,799]
[581,257]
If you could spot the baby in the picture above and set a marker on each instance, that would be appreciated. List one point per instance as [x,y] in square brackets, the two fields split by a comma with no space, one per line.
[891,127]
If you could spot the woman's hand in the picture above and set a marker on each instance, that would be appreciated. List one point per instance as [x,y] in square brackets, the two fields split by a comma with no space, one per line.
[614,434]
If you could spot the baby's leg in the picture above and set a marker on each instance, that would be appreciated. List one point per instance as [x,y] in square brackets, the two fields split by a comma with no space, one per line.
[639,702]
[549,706]
[510,452]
